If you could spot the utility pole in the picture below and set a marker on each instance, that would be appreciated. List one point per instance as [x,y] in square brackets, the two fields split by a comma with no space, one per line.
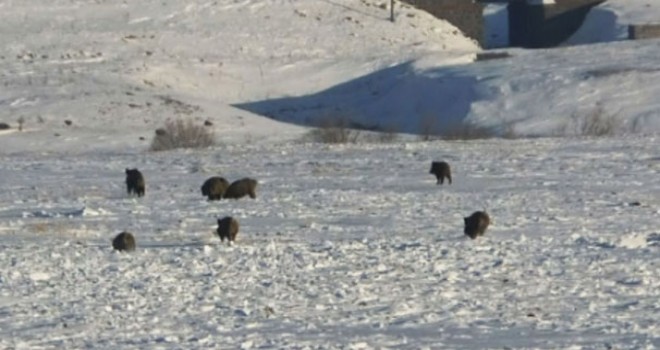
[392,11]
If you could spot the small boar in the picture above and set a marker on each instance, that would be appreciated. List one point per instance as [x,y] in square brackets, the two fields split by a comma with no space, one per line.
[124,241]
[227,228]
[441,170]
[134,182]
[476,224]
[241,188]
[214,188]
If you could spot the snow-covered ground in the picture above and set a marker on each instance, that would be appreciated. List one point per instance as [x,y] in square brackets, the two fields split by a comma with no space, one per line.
[346,246]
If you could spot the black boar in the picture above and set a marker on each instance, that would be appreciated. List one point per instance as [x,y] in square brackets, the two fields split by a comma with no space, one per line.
[214,188]
[227,228]
[476,224]
[441,170]
[124,242]
[134,182]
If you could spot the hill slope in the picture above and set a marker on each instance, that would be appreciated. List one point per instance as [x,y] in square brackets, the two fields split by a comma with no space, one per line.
[118,71]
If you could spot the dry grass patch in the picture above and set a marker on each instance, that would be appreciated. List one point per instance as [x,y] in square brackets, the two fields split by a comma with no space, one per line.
[596,123]
[182,134]
[334,130]
[467,132]
[430,129]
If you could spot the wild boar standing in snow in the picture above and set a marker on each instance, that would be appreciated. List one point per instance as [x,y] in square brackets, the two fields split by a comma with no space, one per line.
[214,188]
[227,228]
[476,224]
[241,188]
[124,241]
[135,182]
[441,170]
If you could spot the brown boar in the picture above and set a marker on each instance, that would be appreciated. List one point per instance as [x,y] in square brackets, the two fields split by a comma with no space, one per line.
[241,188]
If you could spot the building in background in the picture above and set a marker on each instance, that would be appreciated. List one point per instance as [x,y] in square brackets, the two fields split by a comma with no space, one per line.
[520,23]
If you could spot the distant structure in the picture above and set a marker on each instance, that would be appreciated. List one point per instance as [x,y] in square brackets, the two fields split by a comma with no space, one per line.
[466,15]
[532,23]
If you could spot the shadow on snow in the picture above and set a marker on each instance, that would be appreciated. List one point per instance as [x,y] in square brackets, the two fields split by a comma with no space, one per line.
[399,98]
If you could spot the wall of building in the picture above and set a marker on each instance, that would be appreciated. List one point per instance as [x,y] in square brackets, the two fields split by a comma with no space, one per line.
[466,15]
[537,26]
[531,26]
[496,26]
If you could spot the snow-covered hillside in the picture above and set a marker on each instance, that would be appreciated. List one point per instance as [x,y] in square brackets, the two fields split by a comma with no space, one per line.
[113,69]
[117,72]
[346,246]
[533,93]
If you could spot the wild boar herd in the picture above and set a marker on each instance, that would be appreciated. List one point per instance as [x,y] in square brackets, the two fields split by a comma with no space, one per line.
[217,188]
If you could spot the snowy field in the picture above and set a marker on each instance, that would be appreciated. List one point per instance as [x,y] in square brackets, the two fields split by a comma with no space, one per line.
[346,246]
